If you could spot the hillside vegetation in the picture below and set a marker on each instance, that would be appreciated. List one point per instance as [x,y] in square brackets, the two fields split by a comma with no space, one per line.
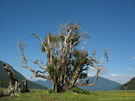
[130,85]
[43,95]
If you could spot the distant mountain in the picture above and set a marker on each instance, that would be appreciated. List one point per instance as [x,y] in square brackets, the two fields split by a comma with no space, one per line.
[4,79]
[130,85]
[46,83]
[102,84]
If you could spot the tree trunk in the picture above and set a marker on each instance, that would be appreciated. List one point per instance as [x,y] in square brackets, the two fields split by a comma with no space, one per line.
[24,86]
[58,86]
[58,89]
[55,85]
[14,86]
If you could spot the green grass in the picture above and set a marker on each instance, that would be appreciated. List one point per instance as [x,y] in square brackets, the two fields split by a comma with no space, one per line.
[43,95]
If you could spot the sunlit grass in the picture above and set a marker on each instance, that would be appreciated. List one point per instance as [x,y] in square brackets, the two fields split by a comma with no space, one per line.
[43,95]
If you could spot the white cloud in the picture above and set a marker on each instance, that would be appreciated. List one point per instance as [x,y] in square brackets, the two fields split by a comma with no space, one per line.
[131,69]
[114,75]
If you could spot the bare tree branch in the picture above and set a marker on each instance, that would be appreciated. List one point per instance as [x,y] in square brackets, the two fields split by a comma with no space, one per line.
[91,84]
[36,62]
[22,46]
[41,42]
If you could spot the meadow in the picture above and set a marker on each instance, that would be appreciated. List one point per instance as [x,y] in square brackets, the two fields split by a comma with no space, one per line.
[43,95]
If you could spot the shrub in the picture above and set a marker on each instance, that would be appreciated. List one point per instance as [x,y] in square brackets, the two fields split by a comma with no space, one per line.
[80,91]
[51,91]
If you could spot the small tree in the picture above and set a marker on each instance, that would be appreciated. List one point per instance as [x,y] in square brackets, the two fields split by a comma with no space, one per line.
[66,64]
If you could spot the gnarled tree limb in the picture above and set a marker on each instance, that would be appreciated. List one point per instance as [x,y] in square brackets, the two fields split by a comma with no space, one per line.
[36,73]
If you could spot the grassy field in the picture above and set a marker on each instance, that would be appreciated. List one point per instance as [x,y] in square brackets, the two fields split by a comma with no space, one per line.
[43,95]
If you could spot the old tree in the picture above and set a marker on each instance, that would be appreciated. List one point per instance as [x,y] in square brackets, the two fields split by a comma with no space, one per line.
[66,64]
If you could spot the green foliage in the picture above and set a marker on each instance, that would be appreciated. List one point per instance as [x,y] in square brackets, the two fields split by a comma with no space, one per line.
[53,71]
[83,75]
[79,90]
[75,39]
[52,38]
[55,61]
[129,85]
[81,57]
[51,91]
[62,38]
[43,95]
[42,47]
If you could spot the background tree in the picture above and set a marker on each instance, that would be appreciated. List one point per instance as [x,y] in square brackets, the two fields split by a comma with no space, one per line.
[66,64]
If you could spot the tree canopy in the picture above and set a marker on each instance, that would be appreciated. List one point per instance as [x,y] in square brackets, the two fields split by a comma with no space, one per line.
[66,64]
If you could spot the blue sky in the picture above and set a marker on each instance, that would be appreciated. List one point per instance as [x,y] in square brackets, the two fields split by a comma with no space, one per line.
[110,23]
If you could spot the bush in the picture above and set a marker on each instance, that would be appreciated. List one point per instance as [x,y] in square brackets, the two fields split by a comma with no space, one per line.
[79,90]
[51,91]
